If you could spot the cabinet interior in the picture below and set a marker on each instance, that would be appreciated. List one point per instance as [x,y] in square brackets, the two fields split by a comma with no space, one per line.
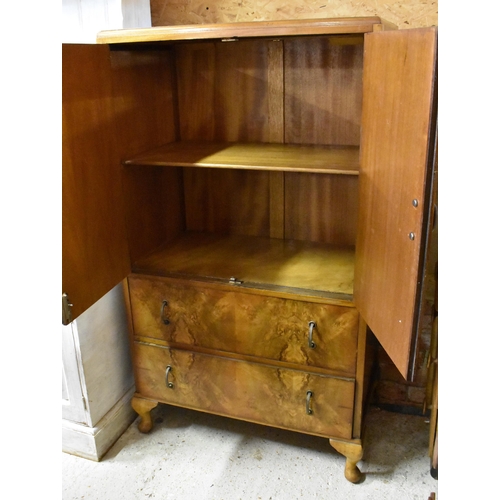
[241,159]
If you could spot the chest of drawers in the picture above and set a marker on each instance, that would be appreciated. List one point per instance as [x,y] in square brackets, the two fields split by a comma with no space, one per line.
[257,357]
[248,353]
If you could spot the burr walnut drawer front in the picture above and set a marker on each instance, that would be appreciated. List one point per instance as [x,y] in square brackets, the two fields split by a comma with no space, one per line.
[310,334]
[291,399]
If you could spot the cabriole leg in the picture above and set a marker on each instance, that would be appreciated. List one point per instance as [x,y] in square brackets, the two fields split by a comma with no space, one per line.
[143,407]
[353,451]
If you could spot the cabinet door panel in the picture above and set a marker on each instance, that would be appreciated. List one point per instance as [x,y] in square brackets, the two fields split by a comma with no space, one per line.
[94,247]
[396,160]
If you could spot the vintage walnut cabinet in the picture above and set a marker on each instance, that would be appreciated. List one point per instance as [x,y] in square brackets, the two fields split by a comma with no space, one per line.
[264,188]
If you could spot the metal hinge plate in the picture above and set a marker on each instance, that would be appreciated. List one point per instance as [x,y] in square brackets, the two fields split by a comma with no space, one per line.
[66,309]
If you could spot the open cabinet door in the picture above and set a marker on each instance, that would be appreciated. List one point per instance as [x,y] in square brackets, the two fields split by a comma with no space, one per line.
[94,245]
[397,153]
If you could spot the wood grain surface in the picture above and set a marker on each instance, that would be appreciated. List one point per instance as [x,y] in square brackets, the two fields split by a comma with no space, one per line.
[323,90]
[145,106]
[230,91]
[241,30]
[94,258]
[398,99]
[321,208]
[154,211]
[300,265]
[218,200]
[249,391]
[255,156]
[244,323]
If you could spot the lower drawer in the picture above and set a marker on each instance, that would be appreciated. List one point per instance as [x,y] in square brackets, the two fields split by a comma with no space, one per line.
[245,390]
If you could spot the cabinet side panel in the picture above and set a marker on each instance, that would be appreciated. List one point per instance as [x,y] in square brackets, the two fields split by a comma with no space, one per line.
[397,111]
[94,246]
[154,208]
[321,208]
[145,85]
[145,103]
[323,90]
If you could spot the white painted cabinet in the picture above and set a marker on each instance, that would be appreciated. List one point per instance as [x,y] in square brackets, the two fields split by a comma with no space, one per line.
[83,19]
[73,402]
[97,378]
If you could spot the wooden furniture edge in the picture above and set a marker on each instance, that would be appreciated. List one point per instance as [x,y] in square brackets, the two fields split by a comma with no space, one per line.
[128,309]
[130,324]
[247,358]
[327,26]
[280,292]
[360,376]
[274,157]
[385,26]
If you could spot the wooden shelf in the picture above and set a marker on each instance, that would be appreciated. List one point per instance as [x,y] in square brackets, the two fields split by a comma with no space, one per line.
[252,29]
[264,156]
[266,262]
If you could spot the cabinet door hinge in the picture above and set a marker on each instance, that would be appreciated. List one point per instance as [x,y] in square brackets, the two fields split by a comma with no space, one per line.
[66,309]
[84,403]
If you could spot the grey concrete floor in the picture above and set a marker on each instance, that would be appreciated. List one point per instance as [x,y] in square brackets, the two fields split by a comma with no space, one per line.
[195,456]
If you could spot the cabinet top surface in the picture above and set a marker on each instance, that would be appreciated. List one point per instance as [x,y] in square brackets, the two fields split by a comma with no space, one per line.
[298,27]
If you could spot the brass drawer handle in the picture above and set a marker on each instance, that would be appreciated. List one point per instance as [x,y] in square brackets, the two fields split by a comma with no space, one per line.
[312,326]
[167,371]
[162,313]
[309,395]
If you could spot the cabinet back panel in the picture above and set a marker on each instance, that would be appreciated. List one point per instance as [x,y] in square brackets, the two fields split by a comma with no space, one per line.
[195,65]
[323,91]
[305,91]
[231,91]
[227,201]
[321,207]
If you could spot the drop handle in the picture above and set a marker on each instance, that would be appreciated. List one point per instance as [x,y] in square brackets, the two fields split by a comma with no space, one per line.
[165,320]
[170,385]
[312,326]
[309,395]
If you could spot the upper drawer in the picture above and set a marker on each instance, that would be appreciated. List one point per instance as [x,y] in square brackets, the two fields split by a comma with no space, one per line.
[245,323]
